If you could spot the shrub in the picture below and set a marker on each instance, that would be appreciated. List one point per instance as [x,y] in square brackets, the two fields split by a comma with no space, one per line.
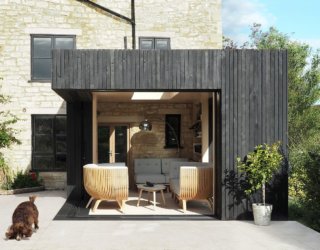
[7,138]
[23,180]
[259,167]
[304,187]
[6,174]
[303,213]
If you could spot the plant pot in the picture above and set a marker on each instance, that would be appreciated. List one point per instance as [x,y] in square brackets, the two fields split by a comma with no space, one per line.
[262,213]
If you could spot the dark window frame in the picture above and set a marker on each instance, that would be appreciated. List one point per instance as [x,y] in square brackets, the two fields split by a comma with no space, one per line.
[154,39]
[172,131]
[54,136]
[53,44]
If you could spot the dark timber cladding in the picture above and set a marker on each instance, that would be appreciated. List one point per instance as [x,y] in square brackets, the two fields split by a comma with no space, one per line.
[79,141]
[251,92]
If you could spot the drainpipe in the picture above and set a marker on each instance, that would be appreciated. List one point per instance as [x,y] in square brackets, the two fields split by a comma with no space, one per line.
[127,19]
[133,25]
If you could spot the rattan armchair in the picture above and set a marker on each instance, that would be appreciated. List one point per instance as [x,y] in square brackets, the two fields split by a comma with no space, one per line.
[106,183]
[194,183]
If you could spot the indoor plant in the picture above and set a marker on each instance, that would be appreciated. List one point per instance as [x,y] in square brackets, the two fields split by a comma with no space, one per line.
[259,167]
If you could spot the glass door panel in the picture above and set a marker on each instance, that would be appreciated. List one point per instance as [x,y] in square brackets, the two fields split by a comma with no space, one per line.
[112,143]
[120,143]
[103,144]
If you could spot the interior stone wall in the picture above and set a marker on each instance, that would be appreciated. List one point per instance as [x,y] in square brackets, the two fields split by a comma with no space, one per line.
[150,144]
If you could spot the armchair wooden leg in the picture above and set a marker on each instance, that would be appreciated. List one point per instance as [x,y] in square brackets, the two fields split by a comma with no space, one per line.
[210,203]
[184,205]
[96,205]
[91,199]
[121,204]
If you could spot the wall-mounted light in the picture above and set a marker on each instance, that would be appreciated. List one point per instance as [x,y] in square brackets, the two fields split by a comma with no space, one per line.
[145,125]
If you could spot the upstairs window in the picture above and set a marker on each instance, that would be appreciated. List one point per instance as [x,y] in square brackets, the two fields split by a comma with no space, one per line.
[154,43]
[41,56]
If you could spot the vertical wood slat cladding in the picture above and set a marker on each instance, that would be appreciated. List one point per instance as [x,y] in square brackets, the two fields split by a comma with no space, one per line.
[254,99]
[128,69]
[252,87]
[79,142]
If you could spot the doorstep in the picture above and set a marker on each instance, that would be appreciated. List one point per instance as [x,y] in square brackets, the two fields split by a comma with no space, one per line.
[21,190]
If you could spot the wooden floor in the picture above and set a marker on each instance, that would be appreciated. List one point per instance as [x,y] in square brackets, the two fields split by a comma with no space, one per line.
[145,208]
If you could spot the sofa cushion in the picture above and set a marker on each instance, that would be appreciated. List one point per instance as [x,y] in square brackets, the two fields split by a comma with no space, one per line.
[166,163]
[115,164]
[148,165]
[154,178]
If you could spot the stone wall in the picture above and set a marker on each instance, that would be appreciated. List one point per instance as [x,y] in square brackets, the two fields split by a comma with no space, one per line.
[190,24]
[54,180]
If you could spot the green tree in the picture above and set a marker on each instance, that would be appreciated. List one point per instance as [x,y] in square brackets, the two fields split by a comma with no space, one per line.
[7,138]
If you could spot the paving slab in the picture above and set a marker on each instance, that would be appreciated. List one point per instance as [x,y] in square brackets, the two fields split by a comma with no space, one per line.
[148,234]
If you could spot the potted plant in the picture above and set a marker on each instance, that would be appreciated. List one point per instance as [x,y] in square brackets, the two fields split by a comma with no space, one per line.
[259,167]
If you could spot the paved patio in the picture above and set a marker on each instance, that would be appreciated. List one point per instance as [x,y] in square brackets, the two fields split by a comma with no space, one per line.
[148,234]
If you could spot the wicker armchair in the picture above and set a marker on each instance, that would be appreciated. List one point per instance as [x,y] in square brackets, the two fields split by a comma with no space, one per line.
[106,183]
[194,183]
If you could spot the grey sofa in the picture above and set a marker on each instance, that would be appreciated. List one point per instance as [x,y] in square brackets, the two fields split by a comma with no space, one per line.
[155,170]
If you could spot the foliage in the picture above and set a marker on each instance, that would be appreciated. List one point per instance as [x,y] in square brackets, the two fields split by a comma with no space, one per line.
[7,138]
[7,133]
[305,183]
[259,166]
[23,180]
[303,213]
[236,184]
[6,174]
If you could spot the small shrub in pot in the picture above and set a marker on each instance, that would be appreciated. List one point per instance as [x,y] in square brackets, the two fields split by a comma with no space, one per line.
[259,167]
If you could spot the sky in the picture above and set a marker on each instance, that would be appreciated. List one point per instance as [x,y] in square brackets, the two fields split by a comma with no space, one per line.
[299,19]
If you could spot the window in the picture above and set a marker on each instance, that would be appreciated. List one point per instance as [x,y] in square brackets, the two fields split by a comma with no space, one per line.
[154,43]
[41,56]
[173,131]
[49,144]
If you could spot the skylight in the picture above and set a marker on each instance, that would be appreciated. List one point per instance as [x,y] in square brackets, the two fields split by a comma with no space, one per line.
[153,95]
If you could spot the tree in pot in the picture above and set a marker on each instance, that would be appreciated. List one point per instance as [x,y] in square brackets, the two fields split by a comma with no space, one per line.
[259,167]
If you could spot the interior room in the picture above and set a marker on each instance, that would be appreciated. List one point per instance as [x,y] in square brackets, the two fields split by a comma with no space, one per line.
[148,130]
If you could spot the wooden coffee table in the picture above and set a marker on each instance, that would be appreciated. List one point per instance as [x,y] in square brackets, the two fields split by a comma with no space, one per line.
[154,190]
